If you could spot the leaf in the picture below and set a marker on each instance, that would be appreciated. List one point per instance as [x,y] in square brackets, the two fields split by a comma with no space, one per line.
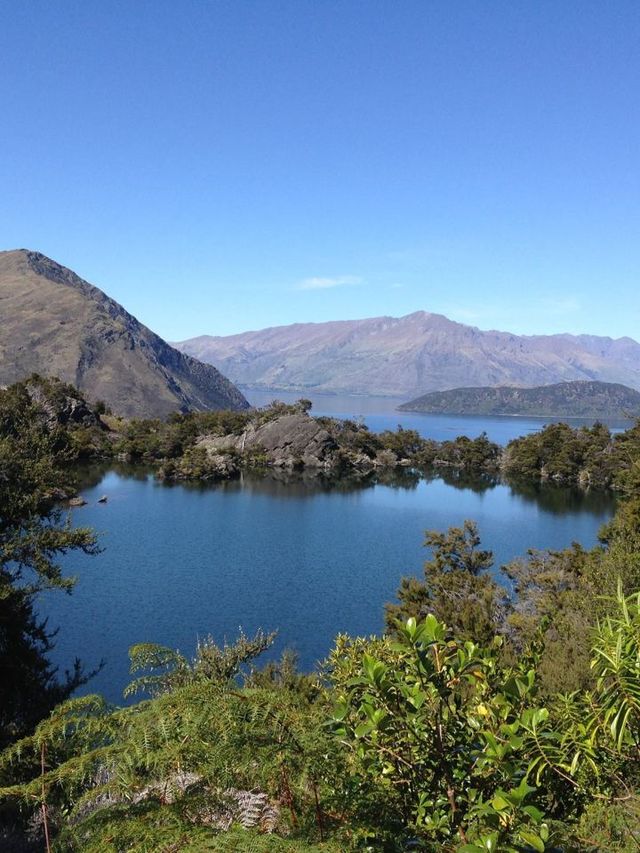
[363,729]
[517,795]
[340,711]
[533,841]
[534,813]
[499,803]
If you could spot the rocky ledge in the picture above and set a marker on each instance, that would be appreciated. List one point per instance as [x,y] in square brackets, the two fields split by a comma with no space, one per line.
[291,441]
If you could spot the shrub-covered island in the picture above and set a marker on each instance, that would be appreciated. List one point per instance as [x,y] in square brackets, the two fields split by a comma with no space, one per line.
[219,445]
[583,398]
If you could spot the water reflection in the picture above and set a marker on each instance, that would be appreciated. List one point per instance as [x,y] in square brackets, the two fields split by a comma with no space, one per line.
[89,475]
[562,500]
[459,479]
[547,496]
[311,556]
[294,485]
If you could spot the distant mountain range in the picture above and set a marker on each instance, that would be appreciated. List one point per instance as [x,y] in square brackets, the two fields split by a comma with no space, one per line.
[55,324]
[409,356]
[564,400]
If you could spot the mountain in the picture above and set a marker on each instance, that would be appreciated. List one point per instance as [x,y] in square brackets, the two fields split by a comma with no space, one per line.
[55,324]
[564,400]
[408,356]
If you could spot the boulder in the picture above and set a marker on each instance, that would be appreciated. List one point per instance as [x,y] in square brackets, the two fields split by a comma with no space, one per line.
[61,404]
[288,441]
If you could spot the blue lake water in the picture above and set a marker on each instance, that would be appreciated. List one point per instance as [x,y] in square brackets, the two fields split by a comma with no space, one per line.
[306,558]
[380,413]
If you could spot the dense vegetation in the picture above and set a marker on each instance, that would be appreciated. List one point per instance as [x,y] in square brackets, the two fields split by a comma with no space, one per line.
[174,444]
[180,447]
[588,456]
[422,739]
[33,472]
[585,398]
[584,456]
[489,716]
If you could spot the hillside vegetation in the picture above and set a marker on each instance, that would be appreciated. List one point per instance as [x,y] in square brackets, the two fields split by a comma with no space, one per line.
[499,711]
[211,446]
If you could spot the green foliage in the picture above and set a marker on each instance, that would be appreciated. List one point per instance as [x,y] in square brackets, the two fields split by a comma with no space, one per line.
[167,669]
[405,443]
[34,457]
[437,723]
[156,440]
[204,750]
[553,593]
[621,540]
[456,587]
[150,827]
[616,664]
[589,456]
[566,592]
[284,674]
[477,454]
[593,748]
[627,461]
[422,741]
[556,594]
[605,827]
[32,474]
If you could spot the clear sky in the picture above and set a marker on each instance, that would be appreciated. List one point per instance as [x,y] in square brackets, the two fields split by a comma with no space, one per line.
[218,166]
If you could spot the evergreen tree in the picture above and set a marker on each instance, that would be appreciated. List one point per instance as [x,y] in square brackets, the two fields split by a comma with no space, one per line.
[33,535]
[456,586]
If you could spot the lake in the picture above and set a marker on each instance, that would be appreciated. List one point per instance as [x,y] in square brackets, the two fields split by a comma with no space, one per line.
[380,413]
[302,556]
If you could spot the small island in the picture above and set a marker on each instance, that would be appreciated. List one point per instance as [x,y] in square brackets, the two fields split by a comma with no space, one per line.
[580,399]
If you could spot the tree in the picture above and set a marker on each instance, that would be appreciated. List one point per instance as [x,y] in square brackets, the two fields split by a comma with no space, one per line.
[456,587]
[33,535]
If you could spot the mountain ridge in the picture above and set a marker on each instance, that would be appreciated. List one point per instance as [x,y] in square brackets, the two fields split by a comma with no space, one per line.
[55,323]
[411,355]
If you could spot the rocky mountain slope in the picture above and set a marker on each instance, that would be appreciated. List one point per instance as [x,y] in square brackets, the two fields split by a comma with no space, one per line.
[564,399]
[55,324]
[411,355]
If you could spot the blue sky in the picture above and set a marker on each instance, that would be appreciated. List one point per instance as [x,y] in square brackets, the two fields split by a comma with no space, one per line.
[220,166]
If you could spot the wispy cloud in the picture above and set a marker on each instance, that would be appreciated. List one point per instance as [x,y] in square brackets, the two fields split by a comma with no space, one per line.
[324,283]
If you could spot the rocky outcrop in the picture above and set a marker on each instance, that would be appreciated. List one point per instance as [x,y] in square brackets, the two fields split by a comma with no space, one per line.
[77,502]
[284,439]
[61,404]
[290,441]
[55,324]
